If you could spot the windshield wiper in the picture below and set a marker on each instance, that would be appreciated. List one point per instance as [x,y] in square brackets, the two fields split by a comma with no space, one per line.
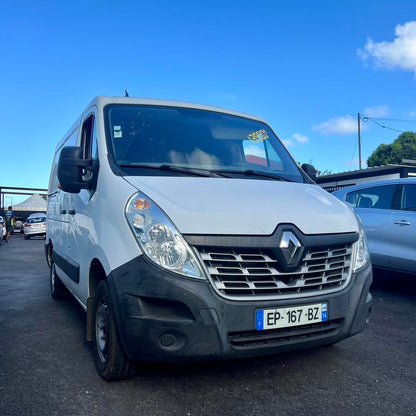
[174,168]
[251,172]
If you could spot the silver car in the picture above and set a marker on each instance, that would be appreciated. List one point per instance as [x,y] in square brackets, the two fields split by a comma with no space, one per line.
[387,210]
[35,225]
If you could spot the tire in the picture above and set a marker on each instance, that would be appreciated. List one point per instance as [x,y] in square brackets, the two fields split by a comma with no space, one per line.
[27,237]
[58,290]
[49,258]
[18,226]
[110,361]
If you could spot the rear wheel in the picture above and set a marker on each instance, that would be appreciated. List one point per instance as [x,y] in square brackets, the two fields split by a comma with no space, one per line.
[58,290]
[110,360]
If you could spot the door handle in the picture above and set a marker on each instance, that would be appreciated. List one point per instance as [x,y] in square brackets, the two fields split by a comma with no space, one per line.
[402,222]
[71,212]
[63,211]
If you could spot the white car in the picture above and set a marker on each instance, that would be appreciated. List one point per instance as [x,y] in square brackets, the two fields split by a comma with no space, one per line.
[3,229]
[35,225]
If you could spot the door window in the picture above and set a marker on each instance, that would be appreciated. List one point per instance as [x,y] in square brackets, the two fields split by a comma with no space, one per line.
[88,143]
[379,197]
[408,202]
[263,154]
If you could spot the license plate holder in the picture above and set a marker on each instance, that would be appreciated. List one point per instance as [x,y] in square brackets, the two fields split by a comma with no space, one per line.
[291,316]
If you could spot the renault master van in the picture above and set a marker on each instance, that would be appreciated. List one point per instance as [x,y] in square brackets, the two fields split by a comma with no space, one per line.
[188,232]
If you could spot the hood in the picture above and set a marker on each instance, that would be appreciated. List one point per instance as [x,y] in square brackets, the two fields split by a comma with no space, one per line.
[216,206]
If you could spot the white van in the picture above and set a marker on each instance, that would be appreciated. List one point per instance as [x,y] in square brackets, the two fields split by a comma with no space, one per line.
[188,232]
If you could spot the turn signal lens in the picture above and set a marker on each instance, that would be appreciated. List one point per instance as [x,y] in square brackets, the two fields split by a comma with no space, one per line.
[141,203]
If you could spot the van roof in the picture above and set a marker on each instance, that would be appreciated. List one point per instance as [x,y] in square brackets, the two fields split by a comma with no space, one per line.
[101,101]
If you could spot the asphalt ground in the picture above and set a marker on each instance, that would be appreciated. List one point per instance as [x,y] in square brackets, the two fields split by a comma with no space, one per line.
[47,368]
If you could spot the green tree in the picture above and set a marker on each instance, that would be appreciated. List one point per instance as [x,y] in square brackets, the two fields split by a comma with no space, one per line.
[404,147]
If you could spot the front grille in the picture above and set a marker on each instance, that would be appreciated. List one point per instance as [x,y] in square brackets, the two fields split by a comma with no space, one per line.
[275,337]
[256,273]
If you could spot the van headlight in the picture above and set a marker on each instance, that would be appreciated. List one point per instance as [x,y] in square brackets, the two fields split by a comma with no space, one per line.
[159,239]
[360,255]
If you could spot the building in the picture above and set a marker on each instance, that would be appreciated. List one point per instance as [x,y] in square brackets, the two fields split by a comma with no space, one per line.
[337,181]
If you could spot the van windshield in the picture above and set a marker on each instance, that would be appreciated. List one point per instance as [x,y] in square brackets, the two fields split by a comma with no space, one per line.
[161,140]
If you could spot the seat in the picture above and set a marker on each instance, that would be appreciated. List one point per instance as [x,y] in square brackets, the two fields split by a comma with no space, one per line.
[365,202]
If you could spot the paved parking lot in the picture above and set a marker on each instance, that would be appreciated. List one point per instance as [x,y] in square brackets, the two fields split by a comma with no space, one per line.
[46,366]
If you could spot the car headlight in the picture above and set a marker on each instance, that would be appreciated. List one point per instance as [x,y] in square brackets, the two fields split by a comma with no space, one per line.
[360,255]
[159,239]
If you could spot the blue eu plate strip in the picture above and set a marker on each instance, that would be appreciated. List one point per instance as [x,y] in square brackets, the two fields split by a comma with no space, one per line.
[259,320]
[324,312]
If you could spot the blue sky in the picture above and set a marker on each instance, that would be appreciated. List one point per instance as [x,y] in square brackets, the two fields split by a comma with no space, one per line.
[307,67]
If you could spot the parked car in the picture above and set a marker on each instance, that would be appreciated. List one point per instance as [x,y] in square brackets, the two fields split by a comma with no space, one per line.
[2,229]
[35,225]
[387,210]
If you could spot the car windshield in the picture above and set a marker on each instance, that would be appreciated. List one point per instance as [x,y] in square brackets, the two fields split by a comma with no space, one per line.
[160,140]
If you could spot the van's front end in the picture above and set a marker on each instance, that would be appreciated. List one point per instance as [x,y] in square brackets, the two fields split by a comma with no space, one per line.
[239,253]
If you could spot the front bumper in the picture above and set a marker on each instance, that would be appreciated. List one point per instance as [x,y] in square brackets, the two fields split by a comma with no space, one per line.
[167,318]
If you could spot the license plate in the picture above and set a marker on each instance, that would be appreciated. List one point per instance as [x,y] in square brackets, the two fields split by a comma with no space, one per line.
[291,316]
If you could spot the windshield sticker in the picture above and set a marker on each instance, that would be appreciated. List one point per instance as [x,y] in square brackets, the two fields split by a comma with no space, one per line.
[258,136]
[118,134]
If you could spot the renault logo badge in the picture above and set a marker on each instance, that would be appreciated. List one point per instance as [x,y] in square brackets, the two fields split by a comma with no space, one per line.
[291,248]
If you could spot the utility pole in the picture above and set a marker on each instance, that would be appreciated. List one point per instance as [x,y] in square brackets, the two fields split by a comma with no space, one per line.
[359,141]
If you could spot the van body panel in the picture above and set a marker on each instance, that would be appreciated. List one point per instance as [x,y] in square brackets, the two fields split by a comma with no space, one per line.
[209,205]
[167,314]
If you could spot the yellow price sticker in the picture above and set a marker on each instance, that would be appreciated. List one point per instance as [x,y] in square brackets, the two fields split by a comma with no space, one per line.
[258,136]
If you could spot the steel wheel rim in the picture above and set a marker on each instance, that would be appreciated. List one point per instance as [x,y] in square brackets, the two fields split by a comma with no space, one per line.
[49,257]
[101,330]
[53,278]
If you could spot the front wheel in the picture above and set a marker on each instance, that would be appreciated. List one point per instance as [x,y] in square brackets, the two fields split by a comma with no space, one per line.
[110,360]
[58,290]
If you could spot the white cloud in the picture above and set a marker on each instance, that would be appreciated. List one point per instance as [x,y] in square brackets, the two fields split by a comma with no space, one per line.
[297,138]
[377,112]
[338,125]
[401,53]
[288,143]
[300,138]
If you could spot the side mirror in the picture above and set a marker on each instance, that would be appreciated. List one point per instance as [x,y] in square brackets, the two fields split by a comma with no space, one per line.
[71,168]
[310,171]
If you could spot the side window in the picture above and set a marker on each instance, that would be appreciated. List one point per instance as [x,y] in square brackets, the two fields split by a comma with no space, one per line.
[253,153]
[274,159]
[87,137]
[88,143]
[409,198]
[379,197]
[262,154]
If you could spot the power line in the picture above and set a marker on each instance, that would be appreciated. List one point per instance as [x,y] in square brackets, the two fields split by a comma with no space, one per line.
[395,119]
[366,118]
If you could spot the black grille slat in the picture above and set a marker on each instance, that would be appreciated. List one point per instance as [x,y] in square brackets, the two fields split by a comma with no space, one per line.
[243,340]
[240,273]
